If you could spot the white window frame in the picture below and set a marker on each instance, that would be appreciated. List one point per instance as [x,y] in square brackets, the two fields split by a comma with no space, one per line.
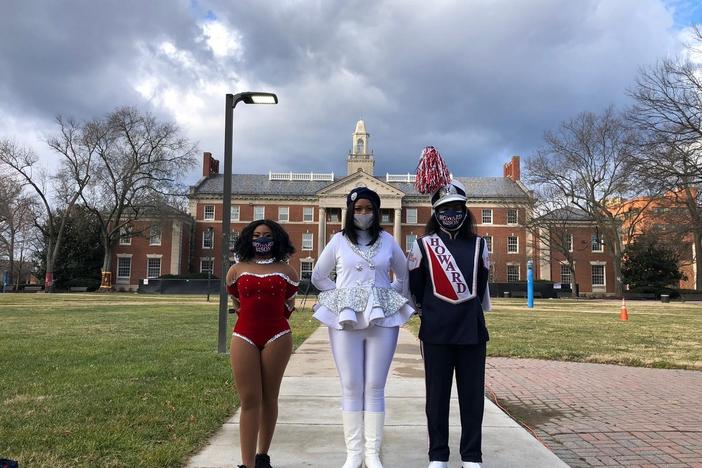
[604,275]
[509,245]
[207,259]
[160,265]
[516,216]
[383,215]
[308,214]
[235,213]
[488,243]
[262,208]
[302,271]
[283,214]
[483,213]
[566,268]
[125,235]
[307,237]
[569,239]
[410,239]
[206,215]
[152,236]
[411,216]
[127,257]
[519,272]
[205,238]
[599,243]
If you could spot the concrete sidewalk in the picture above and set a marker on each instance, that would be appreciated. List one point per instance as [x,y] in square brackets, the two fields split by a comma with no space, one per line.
[309,431]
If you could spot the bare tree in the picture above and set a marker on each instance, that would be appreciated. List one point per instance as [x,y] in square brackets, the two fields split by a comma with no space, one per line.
[588,162]
[667,111]
[140,160]
[16,222]
[552,223]
[55,192]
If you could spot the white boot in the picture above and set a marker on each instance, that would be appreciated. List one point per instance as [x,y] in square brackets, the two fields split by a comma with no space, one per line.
[470,465]
[438,464]
[353,435]
[374,424]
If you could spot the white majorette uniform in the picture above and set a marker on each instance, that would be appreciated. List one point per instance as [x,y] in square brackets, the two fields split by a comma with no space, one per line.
[363,309]
[363,293]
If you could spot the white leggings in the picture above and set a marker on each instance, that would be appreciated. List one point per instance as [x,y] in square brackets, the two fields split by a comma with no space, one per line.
[363,360]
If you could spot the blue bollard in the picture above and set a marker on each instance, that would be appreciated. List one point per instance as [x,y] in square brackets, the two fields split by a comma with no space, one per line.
[530,284]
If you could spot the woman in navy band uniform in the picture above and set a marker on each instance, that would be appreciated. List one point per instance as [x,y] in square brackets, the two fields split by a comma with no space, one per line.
[449,269]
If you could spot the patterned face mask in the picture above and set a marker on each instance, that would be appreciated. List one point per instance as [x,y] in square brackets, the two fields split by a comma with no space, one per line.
[451,219]
[263,245]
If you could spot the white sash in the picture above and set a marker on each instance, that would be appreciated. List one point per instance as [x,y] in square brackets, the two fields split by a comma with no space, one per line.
[446,278]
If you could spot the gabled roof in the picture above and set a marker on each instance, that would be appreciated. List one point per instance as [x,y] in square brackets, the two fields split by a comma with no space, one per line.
[567,214]
[260,185]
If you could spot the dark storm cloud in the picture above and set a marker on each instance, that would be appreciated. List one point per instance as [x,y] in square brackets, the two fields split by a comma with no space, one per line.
[481,80]
[75,57]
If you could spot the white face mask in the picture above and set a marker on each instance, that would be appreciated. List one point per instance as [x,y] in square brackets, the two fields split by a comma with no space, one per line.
[363,221]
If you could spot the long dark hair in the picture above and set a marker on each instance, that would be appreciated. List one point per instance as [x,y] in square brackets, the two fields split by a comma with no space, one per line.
[282,247]
[350,228]
[466,231]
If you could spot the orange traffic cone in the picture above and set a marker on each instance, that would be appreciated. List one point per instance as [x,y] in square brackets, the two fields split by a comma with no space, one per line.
[623,313]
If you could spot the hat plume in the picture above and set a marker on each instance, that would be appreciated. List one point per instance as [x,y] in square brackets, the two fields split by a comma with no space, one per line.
[432,172]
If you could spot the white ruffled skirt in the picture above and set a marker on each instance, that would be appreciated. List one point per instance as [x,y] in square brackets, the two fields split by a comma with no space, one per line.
[361,307]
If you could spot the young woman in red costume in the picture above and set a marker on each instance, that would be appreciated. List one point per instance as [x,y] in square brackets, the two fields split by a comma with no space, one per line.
[263,288]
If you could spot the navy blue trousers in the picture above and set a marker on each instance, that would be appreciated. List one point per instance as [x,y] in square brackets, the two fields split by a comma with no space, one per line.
[468,363]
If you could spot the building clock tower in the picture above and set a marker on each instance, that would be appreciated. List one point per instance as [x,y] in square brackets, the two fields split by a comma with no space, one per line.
[360,157]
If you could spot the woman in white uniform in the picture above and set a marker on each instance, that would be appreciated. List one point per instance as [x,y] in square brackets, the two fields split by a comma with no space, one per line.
[363,309]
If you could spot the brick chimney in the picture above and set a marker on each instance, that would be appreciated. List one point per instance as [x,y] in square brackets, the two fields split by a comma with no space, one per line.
[210,165]
[511,169]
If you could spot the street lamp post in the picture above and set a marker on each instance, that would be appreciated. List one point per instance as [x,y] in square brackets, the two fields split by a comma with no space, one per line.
[230,103]
[210,234]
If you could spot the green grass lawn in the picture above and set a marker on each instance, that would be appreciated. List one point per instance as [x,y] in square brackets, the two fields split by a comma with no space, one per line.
[656,334]
[115,380]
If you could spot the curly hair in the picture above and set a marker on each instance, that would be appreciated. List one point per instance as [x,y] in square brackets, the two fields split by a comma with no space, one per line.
[282,247]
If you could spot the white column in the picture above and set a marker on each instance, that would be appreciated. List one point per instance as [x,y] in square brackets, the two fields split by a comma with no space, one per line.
[397,228]
[322,231]
[343,217]
[176,247]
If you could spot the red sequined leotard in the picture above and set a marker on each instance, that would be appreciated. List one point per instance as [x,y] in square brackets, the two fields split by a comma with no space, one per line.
[263,313]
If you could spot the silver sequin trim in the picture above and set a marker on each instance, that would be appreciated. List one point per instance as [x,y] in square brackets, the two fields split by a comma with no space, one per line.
[369,254]
[282,275]
[276,336]
[357,299]
[245,339]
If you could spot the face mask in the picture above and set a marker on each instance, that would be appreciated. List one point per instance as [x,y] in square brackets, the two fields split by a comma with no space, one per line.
[451,219]
[263,245]
[363,222]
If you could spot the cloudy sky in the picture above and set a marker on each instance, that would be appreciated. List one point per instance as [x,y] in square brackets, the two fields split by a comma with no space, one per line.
[479,79]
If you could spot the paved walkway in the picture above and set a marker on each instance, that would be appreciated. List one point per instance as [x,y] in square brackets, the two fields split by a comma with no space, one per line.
[309,431]
[605,415]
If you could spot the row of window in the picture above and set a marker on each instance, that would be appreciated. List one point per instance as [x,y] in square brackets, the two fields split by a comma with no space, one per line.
[598,277]
[487,216]
[596,243]
[334,215]
[308,241]
[125,236]
[124,267]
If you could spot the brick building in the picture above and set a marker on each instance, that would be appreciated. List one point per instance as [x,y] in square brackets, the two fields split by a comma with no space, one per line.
[311,207]
[154,245]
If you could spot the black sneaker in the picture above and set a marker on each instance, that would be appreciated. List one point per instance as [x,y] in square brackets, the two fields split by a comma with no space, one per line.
[263,460]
